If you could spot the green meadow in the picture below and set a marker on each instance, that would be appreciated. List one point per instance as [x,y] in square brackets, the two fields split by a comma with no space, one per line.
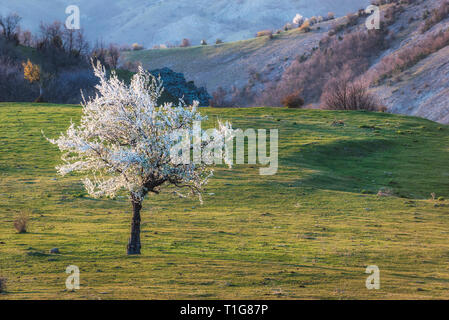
[308,232]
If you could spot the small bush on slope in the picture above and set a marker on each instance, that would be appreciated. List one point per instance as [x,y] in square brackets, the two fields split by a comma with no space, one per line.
[21,222]
[293,101]
[342,94]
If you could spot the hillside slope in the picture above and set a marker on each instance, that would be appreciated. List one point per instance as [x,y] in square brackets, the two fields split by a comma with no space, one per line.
[307,232]
[422,90]
[232,64]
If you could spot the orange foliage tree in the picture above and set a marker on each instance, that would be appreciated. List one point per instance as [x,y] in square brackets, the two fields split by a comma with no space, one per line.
[32,73]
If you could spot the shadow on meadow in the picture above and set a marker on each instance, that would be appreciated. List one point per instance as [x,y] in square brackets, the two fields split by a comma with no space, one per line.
[366,166]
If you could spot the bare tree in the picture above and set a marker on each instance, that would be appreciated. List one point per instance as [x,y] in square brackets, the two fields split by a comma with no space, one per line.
[51,36]
[113,56]
[75,42]
[341,94]
[26,38]
[99,53]
[10,26]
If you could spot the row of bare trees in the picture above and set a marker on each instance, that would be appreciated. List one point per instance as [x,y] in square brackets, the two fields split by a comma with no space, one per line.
[10,25]
[63,59]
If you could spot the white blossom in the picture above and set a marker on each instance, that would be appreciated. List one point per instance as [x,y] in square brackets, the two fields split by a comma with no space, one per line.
[124,138]
[298,19]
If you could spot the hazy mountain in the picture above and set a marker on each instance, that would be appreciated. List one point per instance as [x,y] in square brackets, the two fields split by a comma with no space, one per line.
[159,21]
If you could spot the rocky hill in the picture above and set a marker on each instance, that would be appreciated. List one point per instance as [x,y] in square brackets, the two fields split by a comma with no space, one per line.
[177,87]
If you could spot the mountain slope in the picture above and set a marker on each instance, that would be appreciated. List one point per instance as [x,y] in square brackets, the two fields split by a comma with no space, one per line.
[153,22]
[423,90]
[420,88]
[231,64]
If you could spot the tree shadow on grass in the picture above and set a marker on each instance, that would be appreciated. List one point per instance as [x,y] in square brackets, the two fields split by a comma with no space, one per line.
[345,165]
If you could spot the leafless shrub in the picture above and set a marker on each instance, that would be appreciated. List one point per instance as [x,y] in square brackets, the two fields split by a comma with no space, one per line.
[21,222]
[219,99]
[26,38]
[391,14]
[235,97]
[10,26]
[341,94]
[107,56]
[354,53]
[113,56]
[62,46]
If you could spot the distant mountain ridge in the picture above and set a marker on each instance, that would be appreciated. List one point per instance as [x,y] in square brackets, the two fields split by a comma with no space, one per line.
[152,22]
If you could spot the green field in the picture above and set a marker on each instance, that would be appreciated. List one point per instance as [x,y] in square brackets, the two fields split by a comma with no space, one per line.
[306,233]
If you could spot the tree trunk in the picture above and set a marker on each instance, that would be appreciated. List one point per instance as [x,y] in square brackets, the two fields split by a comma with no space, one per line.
[134,240]
[40,99]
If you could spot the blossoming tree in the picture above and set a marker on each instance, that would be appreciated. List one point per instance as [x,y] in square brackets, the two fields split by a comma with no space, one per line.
[125,139]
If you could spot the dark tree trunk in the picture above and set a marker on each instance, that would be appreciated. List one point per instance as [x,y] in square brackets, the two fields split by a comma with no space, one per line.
[134,240]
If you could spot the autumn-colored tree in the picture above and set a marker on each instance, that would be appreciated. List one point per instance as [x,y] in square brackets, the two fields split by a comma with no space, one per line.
[33,74]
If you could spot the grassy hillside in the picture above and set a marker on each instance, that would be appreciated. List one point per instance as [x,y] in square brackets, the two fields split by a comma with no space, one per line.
[307,232]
